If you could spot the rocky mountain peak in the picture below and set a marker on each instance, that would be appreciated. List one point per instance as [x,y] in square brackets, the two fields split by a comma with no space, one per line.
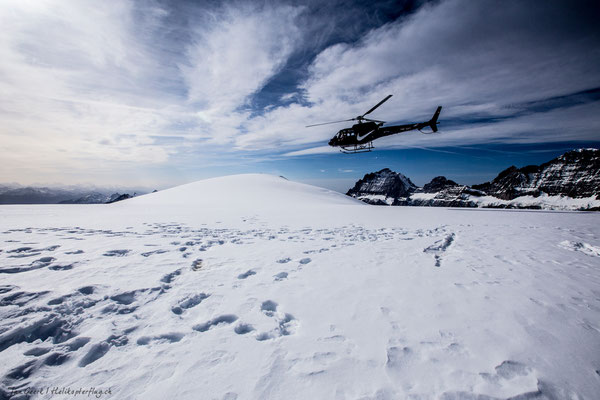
[575,174]
[386,183]
[438,183]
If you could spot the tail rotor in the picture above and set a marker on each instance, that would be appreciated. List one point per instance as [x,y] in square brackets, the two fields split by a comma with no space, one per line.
[433,123]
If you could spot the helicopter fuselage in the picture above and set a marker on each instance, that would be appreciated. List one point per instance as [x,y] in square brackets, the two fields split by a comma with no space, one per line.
[363,133]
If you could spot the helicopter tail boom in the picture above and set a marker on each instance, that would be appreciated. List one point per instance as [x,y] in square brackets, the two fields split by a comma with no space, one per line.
[433,122]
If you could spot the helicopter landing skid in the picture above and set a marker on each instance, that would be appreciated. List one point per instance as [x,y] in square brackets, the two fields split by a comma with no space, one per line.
[357,148]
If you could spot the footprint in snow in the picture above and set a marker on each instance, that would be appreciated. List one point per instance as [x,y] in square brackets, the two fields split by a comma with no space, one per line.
[197,264]
[242,328]
[280,276]
[74,252]
[63,267]
[168,278]
[225,319]
[189,302]
[116,253]
[37,264]
[86,290]
[96,352]
[268,307]
[246,274]
[163,338]
[149,253]
[125,298]
[286,323]
[439,248]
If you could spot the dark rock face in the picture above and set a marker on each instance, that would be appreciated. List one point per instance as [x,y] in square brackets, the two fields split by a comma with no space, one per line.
[92,198]
[449,196]
[119,197]
[387,185]
[574,174]
[438,183]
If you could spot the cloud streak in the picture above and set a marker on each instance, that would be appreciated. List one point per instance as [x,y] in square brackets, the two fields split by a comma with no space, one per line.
[98,87]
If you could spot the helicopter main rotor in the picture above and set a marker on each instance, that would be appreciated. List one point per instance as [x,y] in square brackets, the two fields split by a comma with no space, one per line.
[360,118]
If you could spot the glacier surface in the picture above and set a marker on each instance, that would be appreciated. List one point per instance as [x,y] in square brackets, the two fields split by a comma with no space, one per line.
[255,287]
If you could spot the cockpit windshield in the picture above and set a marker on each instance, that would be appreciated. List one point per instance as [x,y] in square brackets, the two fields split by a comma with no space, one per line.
[344,133]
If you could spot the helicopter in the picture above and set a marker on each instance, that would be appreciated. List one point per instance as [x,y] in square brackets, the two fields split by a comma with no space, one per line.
[359,138]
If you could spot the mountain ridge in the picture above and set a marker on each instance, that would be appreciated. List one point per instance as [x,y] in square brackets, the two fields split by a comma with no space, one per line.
[16,194]
[573,175]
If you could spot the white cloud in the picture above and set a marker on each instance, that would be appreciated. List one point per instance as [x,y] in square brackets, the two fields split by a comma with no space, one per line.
[71,88]
[88,85]
[475,59]
[93,86]
[233,53]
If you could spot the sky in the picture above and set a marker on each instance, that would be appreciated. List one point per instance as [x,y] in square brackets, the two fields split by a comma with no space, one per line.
[160,93]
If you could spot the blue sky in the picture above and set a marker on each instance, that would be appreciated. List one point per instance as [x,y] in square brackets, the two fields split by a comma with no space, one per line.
[159,93]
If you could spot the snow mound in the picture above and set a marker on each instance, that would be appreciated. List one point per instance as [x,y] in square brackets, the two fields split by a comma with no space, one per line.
[250,190]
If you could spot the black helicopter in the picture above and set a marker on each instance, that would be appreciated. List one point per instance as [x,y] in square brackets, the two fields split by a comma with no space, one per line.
[360,137]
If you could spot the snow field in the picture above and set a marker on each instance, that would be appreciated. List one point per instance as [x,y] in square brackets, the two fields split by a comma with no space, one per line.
[297,292]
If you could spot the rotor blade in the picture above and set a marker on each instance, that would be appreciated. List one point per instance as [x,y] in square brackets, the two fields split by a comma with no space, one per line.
[327,123]
[378,104]
[373,120]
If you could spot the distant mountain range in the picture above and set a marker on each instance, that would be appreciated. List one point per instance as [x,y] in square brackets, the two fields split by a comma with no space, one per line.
[99,198]
[571,182]
[14,194]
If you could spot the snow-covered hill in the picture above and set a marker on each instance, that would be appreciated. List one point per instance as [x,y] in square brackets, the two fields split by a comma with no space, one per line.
[255,287]
[247,191]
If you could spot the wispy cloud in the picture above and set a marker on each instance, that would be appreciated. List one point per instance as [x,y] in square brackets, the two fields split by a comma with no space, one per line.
[233,52]
[90,89]
[78,79]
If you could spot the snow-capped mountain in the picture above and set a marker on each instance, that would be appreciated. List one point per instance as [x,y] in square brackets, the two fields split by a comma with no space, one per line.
[442,192]
[574,174]
[119,197]
[438,184]
[35,195]
[92,198]
[16,194]
[255,287]
[384,187]
[571,181]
